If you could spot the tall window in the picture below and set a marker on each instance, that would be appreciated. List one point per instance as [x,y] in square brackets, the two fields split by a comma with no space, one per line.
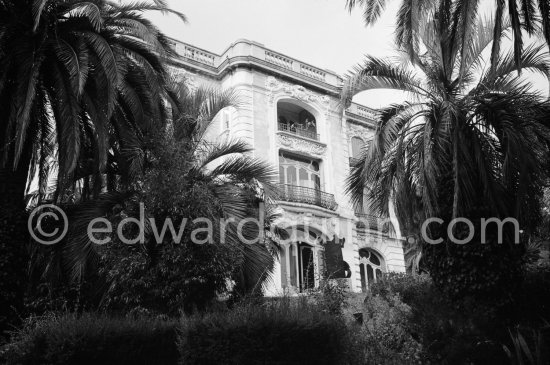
[300,261]
[371,267]
[307,270]
[299,171]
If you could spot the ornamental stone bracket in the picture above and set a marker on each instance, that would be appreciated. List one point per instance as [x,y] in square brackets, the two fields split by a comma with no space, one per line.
[276,87]
[294,143]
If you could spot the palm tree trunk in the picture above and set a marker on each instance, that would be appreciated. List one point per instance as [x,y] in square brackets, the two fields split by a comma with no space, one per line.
[13,240]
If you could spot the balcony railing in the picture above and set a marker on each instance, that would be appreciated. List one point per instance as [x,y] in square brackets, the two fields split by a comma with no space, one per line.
[362,111]
[312,72]
[278,59]
[283,127]
[198,55]
[300,194]
[373,222]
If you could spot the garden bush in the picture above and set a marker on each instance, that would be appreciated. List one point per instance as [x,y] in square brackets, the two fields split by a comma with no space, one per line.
[457,331]
[184,278]
[281,331]
[387,329]
[409,287]
[93,339]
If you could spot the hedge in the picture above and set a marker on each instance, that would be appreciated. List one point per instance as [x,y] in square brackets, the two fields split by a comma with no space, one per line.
[93,339]
[281,332]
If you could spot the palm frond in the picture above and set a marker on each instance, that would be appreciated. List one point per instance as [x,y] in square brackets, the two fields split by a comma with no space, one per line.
[372,9]
[376,73]
[212,152]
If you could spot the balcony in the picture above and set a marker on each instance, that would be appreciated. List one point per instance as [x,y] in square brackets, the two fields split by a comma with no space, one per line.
[372,222]
[300,194]
[297,131]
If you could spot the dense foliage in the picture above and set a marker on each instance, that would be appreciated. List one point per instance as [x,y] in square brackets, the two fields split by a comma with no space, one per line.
[284,331]
[93,339]
[80,82]
[469,141]
[405,320]
[529,18]
[183,278]
[460,331]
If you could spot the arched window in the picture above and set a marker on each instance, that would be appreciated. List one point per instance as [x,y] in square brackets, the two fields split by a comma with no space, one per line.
[371,267]
[294,119]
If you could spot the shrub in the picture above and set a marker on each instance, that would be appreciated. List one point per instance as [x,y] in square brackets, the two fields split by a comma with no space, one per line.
[450,331]
[532,303]
[282,331]
[184,278]
[387,328]
[330,296]
[13,263]
[93,339]
[410,287]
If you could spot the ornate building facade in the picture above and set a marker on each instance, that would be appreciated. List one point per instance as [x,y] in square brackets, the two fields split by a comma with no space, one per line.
[292,116]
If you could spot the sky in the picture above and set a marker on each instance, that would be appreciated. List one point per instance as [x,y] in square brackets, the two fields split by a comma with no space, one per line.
[320,32]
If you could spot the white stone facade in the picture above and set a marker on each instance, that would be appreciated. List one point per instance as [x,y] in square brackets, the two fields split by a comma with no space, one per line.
[292,115]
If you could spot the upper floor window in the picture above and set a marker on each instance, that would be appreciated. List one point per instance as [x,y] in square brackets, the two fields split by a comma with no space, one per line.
[294,119]
[299,171]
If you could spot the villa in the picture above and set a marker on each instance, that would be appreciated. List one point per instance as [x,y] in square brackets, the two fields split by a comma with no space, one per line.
[293,117]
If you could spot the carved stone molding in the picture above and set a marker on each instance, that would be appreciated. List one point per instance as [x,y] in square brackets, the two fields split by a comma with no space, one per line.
[355,130]
[301,145]
[184,76]
[327,226]
[277,87]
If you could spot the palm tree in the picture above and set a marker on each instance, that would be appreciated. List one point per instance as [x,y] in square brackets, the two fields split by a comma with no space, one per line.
[526,18]
[78,73]
[183,177]
[78,80]
[469,142]
[237,181]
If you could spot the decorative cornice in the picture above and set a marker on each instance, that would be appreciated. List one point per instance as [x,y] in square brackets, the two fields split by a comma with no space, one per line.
[299,92]
[295,143]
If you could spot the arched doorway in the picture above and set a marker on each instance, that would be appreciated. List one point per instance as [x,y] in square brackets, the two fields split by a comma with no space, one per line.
[301,259]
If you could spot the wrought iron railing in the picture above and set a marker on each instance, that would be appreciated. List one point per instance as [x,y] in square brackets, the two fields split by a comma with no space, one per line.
[373,222]
[300,194]
[298,131]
